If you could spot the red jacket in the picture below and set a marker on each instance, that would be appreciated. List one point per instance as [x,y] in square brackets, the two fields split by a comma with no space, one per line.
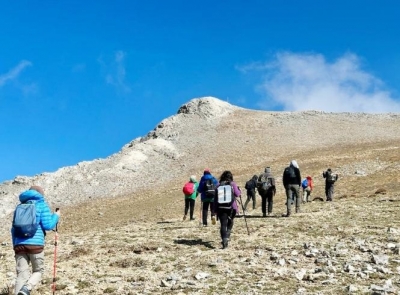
[310,182]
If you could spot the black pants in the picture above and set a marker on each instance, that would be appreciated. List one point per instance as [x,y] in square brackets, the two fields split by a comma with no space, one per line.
[251,195]
[329,190]
[189,203]
[267,199]
[207,205]
[226,218]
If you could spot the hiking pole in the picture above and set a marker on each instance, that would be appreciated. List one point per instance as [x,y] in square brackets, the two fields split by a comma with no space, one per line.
[55,257]
[200,216]
[244,215]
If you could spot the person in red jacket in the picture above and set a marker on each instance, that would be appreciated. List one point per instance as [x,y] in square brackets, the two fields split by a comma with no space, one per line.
[307,185]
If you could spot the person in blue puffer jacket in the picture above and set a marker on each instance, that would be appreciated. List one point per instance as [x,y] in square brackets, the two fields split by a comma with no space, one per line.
[31,250]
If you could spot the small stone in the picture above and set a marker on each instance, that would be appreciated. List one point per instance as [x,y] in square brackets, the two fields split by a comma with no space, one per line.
[380,259]
[165,284]
[300,274]
[282,262]
[351,289]
[201,275]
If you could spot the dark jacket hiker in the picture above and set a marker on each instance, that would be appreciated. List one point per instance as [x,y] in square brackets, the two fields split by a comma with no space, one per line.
[250,187]
[330,179]
[207,186]
[292,183]
[267,190]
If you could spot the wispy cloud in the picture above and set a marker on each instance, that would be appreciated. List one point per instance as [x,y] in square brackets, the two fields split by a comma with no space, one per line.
[309,82]
[14,72]
[116,73]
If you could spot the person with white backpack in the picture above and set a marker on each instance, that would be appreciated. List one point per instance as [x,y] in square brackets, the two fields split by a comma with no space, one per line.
[225,205]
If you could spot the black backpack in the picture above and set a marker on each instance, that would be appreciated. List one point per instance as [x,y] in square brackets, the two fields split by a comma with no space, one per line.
[290,173]
[250,185]
[209,188]
[331,178]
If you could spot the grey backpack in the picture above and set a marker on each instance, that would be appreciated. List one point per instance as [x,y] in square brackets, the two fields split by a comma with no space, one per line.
[24,221]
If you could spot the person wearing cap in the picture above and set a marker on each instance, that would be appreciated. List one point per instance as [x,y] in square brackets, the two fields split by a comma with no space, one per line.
[292,181]
[30,251]
[191,199]
[268,195]
[207,185]
[330,180]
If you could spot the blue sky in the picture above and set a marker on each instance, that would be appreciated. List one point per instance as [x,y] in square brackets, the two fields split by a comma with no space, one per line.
[80,79]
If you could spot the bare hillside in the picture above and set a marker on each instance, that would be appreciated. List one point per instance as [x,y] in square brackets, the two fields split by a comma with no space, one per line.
[122,223]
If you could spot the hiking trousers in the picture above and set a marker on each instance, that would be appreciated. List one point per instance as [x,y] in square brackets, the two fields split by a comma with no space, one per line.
[306,195]
[206,206]
[267,200]
[189,203]
[24,276]
[329,190]
[293,195]
[226,218]
[251,196]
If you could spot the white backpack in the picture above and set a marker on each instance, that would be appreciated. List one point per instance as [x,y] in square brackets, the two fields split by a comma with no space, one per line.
[225,196]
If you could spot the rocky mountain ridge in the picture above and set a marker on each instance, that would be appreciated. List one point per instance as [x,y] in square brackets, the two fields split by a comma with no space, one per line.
[132,240]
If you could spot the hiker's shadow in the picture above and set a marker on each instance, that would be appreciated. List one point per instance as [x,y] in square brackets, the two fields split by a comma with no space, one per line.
[194,242]
[257,216]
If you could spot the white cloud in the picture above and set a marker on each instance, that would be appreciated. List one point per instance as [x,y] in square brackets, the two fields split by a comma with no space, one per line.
[309,82]
[14,72]
[116,73]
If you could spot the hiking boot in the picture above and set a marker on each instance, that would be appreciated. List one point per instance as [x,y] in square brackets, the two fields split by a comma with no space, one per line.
[213,220]
[24,291]
[224,243]
[184,217]
[228,234]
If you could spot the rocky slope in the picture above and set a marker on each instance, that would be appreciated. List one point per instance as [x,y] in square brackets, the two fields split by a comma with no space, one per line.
[122,229]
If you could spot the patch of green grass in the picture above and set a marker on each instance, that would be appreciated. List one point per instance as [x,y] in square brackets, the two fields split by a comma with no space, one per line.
[129,262]
[83,285]
[109,290]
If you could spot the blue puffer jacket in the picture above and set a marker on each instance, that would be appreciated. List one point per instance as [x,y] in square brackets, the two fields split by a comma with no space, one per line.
[202,186]
[47,220]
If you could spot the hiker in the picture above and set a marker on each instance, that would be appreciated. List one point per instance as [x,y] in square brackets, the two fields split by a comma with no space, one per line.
[267,190]
[250,187]
[330,180]
[291,182]
[207,186]
[30,250]
[307,185]
[190,192]
[226,212]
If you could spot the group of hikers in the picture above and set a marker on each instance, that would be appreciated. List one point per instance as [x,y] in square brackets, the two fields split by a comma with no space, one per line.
[221,197]
[33,217]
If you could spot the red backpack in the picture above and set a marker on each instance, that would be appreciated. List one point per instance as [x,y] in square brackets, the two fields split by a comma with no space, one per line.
[188,188]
